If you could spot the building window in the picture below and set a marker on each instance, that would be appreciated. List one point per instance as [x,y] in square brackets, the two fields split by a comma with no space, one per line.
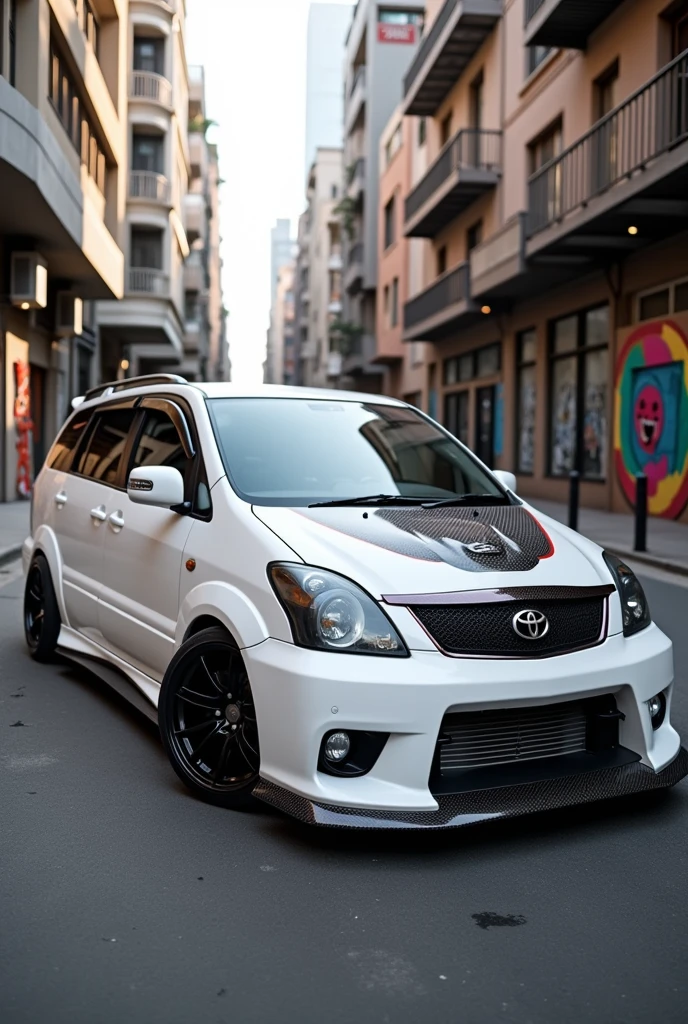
[526,396]
[488,360]
[474,236]
[579,374]
[441,261]
[147,153]
[387,294]
[334,192]
[605,140]
[394,311]
[536,55]
[445,130]
[476,101]
[69,108]
[393,17]
[149,54]
[541,151]
[146,248]
[422,131]
[89,25]
[671,298]
[191,306]
[393,145]
[456,407]
[389,223]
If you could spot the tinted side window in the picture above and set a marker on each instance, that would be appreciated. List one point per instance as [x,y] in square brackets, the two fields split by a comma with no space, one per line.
[160,444]
[102,458]
[60,457]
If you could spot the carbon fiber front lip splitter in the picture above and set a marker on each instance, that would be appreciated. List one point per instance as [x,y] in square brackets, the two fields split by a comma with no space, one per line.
[462,809]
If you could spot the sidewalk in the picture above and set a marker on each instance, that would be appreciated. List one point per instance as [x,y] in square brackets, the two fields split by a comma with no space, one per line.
[667,541]
[14,528]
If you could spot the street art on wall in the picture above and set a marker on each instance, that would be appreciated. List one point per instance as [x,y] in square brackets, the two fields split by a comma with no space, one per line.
[651,416]
[24,426]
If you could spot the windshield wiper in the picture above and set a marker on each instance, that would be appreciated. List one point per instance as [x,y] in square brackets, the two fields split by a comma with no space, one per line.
[469,499]
[370,499]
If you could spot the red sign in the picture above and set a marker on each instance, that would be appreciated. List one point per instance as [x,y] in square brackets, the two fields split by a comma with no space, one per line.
[24,426]
[387,33]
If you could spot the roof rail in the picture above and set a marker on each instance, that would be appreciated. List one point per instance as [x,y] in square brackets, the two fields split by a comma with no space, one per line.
[132,382]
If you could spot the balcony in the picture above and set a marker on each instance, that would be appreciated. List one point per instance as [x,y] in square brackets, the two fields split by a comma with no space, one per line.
[454,38]
[499,262]
[357,98]
[353,279]
[151,88]
[358,360]
[194,273]
[442,309]
[195,216]
[147,281]
[624,184]
[566,23]
[468,166]
[149,187]
[356,183]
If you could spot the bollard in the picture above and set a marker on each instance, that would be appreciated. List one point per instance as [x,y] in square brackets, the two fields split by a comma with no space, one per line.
[640,512]
[574,494]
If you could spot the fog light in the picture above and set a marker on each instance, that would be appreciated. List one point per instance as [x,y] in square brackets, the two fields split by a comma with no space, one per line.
[337,746]
[657,708]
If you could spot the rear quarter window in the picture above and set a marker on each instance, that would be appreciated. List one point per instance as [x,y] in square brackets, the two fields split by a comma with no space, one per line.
[61,454]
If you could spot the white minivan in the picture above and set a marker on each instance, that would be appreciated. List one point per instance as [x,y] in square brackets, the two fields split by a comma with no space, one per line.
[336,608]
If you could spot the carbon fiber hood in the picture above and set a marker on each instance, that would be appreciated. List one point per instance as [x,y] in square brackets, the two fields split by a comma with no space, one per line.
[416,550]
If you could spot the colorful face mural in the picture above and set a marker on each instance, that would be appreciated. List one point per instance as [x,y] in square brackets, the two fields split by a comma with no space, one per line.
[651,416]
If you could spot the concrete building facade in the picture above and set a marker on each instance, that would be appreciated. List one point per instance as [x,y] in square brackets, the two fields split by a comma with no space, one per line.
[63,145]
[381,44]
[549,184]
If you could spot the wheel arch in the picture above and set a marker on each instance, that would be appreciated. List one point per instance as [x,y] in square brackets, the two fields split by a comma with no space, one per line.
[45,543]
[220,604]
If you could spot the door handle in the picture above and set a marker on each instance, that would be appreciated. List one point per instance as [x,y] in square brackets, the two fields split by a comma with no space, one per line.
[61,499]
[99,513]
[117,520]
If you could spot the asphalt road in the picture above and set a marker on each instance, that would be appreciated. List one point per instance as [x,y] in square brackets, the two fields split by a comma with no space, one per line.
[122,899]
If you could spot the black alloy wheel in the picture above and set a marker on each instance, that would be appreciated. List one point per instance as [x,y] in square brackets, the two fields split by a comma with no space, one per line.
[208,720]
[41,614]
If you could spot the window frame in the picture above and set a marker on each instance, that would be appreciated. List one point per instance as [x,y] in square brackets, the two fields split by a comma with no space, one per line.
[578,353]
[669,286]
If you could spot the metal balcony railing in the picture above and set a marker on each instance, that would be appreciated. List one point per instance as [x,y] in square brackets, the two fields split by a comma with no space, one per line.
[452,288]
[145,280]
[147,85]
[149,185]
[471,148]
[649,123]
[428,43]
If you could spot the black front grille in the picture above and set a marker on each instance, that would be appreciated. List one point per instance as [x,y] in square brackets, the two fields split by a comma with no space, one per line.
[487,629]
[475,739]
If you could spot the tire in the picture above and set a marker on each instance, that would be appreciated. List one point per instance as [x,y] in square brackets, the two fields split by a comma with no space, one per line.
[41,615]
[206,708]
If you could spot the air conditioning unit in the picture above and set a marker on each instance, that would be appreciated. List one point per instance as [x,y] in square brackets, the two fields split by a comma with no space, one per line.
[28,280]
[70,314]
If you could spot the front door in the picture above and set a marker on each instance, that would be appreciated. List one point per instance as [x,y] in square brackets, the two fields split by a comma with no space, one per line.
[142,557]
[484,428]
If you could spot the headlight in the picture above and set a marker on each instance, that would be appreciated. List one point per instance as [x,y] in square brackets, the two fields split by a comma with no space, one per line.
[634,607]
[329,613]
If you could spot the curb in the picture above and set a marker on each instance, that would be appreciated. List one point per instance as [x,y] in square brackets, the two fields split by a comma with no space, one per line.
[652,560]
[8,555]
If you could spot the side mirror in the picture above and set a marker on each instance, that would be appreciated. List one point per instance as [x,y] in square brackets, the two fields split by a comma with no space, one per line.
[507,479]
[161,486]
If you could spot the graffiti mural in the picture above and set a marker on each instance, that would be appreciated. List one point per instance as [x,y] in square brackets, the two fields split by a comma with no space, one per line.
[24,426]
[651,416]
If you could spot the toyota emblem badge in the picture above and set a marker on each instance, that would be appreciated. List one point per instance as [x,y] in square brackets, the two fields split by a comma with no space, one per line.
[530,624]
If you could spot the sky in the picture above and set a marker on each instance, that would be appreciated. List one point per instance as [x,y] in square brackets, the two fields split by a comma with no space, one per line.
[254,54]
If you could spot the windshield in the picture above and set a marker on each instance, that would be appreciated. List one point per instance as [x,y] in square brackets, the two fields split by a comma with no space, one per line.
[284,451]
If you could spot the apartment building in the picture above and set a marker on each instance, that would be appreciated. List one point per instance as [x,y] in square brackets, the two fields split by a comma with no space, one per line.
[281,354]
[282,254]
[63,128]
[381,44]
[323,339]
[145,332]
[205,355]
[549,182]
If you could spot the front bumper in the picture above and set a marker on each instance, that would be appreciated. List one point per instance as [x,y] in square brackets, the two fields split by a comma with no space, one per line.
[300,695]
[484,805]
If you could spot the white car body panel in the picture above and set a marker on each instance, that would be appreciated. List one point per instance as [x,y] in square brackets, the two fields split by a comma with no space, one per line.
[127,597]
